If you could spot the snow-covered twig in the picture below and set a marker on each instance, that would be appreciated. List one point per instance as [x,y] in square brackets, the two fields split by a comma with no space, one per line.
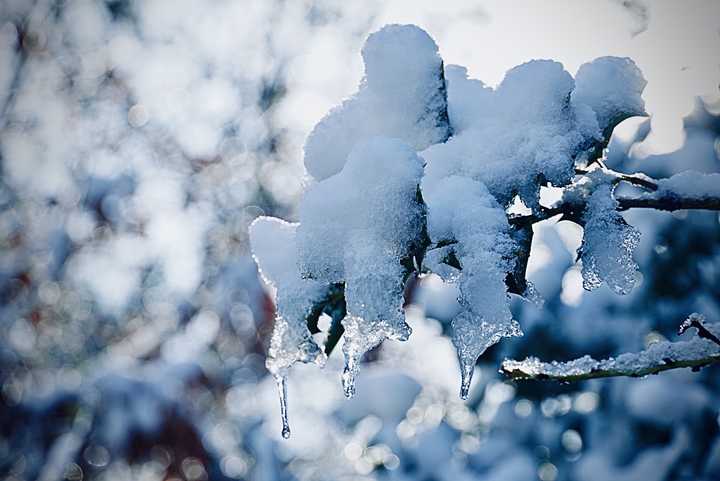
[639,179]
[661,356]
[698,322]
[666,194]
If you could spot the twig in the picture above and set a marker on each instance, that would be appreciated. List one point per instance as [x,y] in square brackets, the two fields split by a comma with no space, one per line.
[639,179]
[669,203]
[698,322]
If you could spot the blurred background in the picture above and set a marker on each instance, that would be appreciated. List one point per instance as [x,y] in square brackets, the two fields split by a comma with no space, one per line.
[138,140]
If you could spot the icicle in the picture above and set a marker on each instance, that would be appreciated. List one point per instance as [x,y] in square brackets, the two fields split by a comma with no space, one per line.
[472,336]
[466,375]
[282,391]
[361,336]
[348,375]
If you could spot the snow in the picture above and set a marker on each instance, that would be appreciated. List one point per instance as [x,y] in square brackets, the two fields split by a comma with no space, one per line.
[611,87]
[106,81]
[274,249]
[361,219]
[462,209]
[528,130]
[395,57]
[689,184]
[356,227]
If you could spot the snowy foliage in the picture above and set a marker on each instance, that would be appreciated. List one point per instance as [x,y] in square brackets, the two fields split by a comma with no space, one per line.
[416,174]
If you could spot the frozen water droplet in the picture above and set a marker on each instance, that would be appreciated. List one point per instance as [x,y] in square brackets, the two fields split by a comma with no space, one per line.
[282,391]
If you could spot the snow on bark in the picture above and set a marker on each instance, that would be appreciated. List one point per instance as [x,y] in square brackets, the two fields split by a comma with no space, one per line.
[690,184]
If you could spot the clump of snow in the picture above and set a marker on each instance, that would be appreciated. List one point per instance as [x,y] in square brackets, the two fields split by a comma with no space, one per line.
[402,95]
[528,131]
[468,99]
[356,227]
[611,87]
[462,209]
[689,184]
[608,244]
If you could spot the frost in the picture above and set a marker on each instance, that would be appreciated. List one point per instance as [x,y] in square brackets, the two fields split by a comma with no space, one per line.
[355,228]
[462,209]
[402,95]
[608,244]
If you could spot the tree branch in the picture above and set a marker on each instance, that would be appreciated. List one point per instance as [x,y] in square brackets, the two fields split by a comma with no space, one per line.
[661,356]
[665,200]
[669,202]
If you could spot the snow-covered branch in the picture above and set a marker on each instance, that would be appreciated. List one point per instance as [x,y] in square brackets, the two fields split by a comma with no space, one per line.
[661,356]
[685,191]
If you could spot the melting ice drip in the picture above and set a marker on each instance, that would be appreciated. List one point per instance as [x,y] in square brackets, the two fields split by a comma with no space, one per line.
[472,337]
[360,337]
[282,391]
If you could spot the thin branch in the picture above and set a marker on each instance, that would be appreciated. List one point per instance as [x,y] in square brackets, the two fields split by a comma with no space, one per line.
[698,322]
[659,357]
[22,49]
[638,179]
[669,202]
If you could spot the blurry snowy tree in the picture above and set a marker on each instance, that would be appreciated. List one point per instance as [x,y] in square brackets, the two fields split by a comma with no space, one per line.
[379,214]
[140,139]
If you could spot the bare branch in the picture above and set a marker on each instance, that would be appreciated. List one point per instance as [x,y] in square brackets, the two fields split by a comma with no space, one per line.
[669,202]
[661,356]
